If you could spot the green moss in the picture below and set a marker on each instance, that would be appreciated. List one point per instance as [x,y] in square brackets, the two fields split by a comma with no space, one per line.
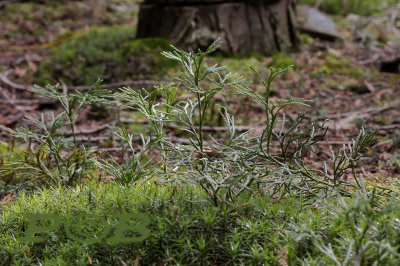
[240,64]
[10,152]
[306,39]
[361,7]
[182,218]
[395,78]
[339,65]
[108,53]
[144,56]
[321,72]
[138,127]
[395,161]
[281,60]
[347,85]
[384,120]
[148,44]
[82,60]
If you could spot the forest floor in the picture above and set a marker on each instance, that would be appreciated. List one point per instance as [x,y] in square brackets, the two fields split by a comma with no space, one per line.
[287,216]
[344,79]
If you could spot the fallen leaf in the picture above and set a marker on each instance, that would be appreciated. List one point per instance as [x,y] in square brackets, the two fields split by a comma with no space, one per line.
[8,198]
[123,263]
[20,72]
[31,64]
[282,256]
[336,53]
[90,260]
[370,87]
[138,258]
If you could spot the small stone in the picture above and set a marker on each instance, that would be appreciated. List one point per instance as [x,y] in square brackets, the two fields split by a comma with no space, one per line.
[314,22]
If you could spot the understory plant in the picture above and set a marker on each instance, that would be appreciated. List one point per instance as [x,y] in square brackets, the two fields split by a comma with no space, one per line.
[272,161]
[233,170]
[54,154]
[359,231]
[136,166]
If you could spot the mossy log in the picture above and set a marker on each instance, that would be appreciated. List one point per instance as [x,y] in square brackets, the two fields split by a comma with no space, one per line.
[263,26]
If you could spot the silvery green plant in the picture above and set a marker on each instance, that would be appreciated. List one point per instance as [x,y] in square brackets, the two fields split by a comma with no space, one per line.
[368,216]
[52,156]
[273,160]
[136,166]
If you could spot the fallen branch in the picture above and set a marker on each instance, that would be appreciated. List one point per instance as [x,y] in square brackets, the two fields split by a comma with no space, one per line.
[32,102]
[387,106]
[89,131]
[4,128]
[175,126]
[5,80]
[11,101]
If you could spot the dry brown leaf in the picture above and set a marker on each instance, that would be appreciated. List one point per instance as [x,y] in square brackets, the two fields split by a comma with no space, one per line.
[335,52]
[31,65]
[20,72]
[282,256]
[8,198]
[90,260]
[378,96]
[123,263]
[370,87]
[138,258]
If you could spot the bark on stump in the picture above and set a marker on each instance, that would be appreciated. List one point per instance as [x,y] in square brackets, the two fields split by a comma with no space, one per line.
[263,26]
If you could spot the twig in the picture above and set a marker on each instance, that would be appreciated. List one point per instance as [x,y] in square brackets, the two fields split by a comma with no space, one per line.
[90,139]
[5,80]
[8,198]
[126,83]
[389,141]
[240,206]
[368,110]
[389,127]
[123,263]
[317,4]
[175,126]
[138,257]
[11,101]
[33,101]
[343,142]
[89,131]
[4,128]
[98,139]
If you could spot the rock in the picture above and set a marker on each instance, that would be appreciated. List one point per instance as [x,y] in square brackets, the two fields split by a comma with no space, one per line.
[353,18]
[316,23]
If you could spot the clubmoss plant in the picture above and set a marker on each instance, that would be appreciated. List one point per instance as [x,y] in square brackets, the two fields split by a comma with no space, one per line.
[52,156]
[272,161]
[225,168]
[136,167]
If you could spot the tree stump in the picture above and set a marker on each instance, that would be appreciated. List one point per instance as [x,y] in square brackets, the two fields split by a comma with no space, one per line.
[262,26]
